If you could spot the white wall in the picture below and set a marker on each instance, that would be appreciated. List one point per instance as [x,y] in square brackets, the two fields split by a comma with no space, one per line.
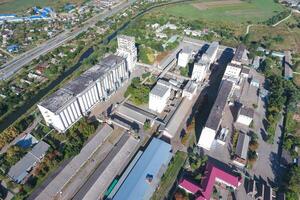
[199,72]
[242,119]
[207,137]
[183,59]
[157,103]
[232,72]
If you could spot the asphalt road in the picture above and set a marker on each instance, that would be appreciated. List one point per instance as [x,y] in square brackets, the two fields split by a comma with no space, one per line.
[9,69]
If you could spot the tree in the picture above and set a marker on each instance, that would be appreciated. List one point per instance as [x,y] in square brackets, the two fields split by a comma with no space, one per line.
[294,179]
[147,125]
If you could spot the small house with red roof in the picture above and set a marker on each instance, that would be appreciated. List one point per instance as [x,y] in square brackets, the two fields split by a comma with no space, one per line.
[188,186]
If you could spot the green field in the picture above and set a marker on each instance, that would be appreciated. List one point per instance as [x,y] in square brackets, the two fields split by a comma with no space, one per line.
[229,11]
[16,6]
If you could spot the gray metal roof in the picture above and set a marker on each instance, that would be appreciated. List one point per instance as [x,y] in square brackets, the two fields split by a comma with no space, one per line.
[66,95]
[40,149]
[242,146]
[238,56]
[246,111]
[213,47]
[215,116]
[159,90]
[20,170]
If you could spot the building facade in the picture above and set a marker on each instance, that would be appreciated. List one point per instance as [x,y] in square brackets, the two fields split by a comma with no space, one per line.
[67,105]
[201,67]
[127,49]
[158,97]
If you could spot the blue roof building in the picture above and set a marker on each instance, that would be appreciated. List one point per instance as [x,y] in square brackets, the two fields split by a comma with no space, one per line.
[145,176]
[13,48]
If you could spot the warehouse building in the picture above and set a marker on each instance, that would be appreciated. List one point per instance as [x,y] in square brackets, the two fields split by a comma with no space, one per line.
[201,67]
[145,176]
[215,117]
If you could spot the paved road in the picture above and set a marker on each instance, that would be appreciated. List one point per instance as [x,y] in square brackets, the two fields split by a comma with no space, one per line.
[10,68]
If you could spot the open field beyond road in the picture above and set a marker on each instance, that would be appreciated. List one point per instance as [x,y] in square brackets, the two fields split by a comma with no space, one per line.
[15,6]
[227,10]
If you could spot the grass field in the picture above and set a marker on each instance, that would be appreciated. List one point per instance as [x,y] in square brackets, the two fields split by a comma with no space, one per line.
[226,10]
[16,6]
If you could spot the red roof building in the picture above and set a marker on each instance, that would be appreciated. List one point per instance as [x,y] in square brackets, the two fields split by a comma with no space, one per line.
[189,186]
[214,174]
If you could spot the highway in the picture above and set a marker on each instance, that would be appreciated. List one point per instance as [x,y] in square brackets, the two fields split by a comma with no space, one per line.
[9,69]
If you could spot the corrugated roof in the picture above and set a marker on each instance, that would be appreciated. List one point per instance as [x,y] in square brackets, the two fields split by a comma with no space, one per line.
[151,165]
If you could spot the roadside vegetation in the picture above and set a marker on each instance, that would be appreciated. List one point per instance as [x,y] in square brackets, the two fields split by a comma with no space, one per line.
[170,176]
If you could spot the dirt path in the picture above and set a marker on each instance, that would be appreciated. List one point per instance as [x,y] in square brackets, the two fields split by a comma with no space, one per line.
[214,4]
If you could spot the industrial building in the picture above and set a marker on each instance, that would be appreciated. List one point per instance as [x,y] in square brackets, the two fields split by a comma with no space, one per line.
[184,57]
[67,105]
[145,176]
[201,67]
[245,116]
[232,72]
[241,151]
[215,117]
[159,96]
[127,49]
[22,168]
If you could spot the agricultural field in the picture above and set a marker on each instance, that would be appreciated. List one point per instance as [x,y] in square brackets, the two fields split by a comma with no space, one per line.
[17,6]
[235,11]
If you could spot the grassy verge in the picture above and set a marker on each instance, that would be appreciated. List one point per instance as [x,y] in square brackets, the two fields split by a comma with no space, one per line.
[170,176]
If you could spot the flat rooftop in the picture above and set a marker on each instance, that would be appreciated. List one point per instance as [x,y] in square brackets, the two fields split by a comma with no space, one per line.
[67,93]
[242,146]
[216,112]
[159,90]
[246,111]
[213,47]
[238,55]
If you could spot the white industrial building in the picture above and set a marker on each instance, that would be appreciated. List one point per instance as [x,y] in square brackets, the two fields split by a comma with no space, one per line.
[213,122]
[240,56]
[159,96]
[67,105]
[127,49]
[232,72]
[184,57]
[201,67]
[245,116]
[189,90]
